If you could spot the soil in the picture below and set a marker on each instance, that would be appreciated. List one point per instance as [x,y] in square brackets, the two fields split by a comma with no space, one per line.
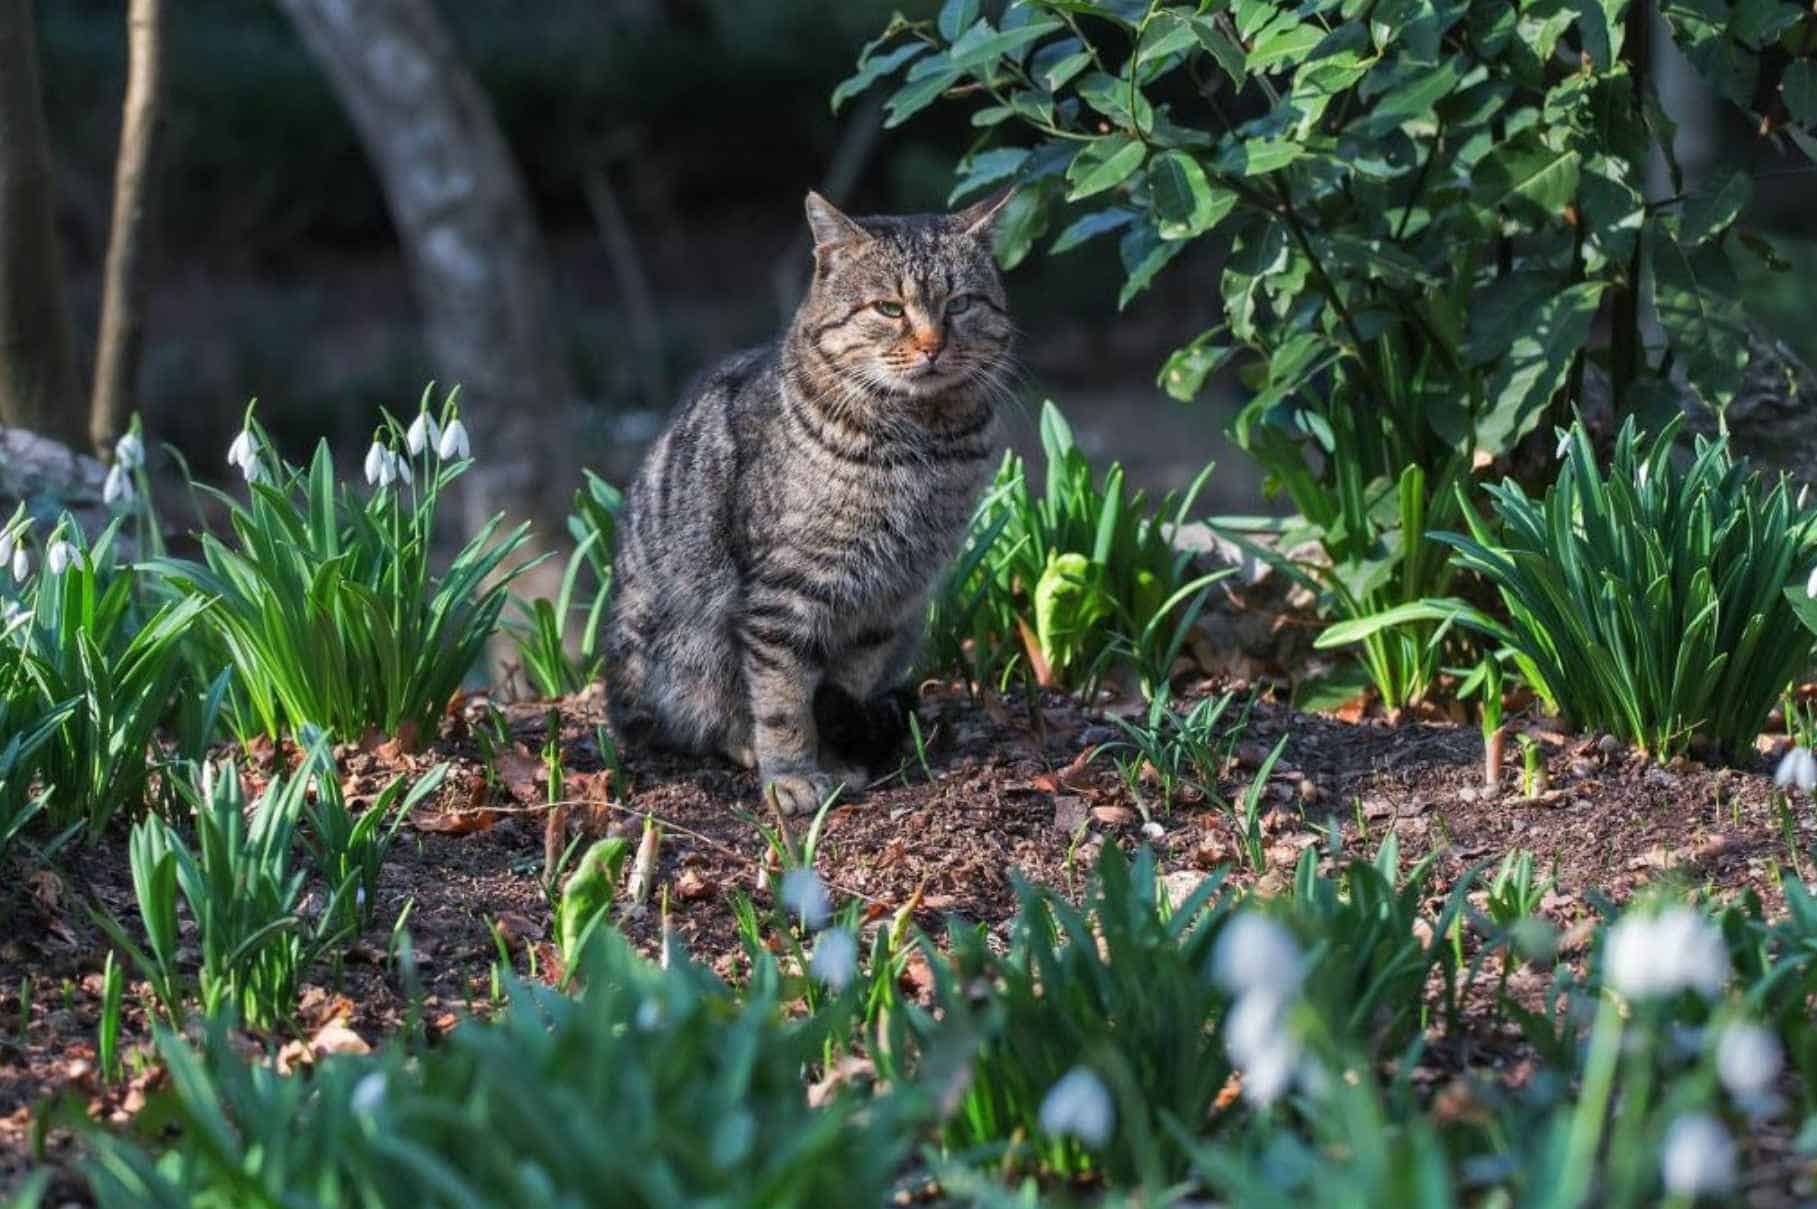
[1013,790]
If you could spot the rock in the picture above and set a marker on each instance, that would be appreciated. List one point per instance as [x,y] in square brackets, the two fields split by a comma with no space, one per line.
[1070,813]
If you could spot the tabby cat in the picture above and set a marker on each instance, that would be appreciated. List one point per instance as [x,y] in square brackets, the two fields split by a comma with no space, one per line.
[779,543]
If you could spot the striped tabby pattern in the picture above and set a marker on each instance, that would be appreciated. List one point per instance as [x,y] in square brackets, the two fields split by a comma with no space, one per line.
[779,543]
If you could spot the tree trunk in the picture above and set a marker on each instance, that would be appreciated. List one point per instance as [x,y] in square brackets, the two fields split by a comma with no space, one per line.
[37,364]
[123,284]
[463,216]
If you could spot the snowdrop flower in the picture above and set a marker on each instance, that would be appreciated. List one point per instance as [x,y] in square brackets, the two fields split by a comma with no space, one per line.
[1659,955]
[454,443]
[9,541]
[22,564]
[1748,1060]
[244,453]
[118,488]
[1640,476]
[649,1015]
[368,1093]
[253,471]
[1261,1045]
[59,556]
[835,959]
[1797,768]
[1255,953]
[1078,1106]
[378,463]
[1564,444]
[1697,1157]
[129,451]
[400,466]
[803,894]
[424,433]
[1810,585]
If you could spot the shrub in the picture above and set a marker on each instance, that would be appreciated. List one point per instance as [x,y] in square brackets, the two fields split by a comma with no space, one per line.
[328,604]
[1650,600]
[1429,210]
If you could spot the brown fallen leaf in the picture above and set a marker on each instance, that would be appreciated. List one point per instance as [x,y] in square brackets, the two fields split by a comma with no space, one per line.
[454,822]
[693,886]
[517,928]
[519,771]
[47,888]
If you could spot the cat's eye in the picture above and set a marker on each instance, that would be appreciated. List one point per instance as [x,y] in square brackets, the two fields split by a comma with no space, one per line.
[959,305]
[892,310]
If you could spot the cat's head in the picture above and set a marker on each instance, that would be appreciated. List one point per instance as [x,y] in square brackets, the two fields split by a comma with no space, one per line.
[907,306]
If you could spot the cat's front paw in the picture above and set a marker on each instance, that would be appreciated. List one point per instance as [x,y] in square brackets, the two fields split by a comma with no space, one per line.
[803,791]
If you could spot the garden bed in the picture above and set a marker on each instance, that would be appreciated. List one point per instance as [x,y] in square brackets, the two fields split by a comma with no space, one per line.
[1010,794]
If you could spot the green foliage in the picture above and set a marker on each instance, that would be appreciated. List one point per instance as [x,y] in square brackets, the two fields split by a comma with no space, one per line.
[587,896]
[1650,601]
[243,891]
[329,606]
[29,727]
[1187,750]
[86,643]
[649,1088]
[348,852]
[1427,209]
[1082,576]
[542,635]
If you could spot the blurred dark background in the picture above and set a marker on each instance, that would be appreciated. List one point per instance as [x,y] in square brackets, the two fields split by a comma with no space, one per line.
[275,270]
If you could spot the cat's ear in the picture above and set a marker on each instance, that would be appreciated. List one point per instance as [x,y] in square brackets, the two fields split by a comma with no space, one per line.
[829,226]
[980,218]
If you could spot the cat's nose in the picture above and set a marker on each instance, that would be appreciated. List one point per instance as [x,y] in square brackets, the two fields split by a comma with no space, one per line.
[930,345]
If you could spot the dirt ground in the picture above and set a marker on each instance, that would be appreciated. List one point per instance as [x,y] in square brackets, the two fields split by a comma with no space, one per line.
[1013,788]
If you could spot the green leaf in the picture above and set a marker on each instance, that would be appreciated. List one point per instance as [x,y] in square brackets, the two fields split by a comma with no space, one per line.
[983,46]
[1537,364]
[1062,72]
[1022,221]
[1185,371]
[987,168]
[1090,226]
[1257,157]
[1694,297]
[1169,33]
[1104,164]
[913,98]
[1144,254]
[1599,22]
[956,16]
[1185,202]
[1755,23]
[1799,88]
[1708,215]
[874,69]
[1223,48]
[1413,98]
[1530,177]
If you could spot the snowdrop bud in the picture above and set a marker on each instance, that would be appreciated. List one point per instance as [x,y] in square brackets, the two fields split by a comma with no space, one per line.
[129,451]
[803,894]
[424,433]
[1797,768]
[1078,1106]
[454,443]
[1810,585]
[22,564]
[1804,493]
[835,959]
[377,459]
[1256,953]
[58,557]
[400,466]
[1261,1045]
[1640,476]
[1748,1059]
[1564,444]
[368,1093]
[1697,1157]
[1661,955]
[243,453]
[118,488]
[8,543]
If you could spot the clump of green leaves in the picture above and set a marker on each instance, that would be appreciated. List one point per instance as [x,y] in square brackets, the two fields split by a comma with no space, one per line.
[1189,750]
[349,850]
[1429,213]
[1080,577]
[1651,600]
[330,605]
[542,636]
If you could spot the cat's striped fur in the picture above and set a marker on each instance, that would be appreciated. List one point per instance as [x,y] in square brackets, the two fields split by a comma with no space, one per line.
[779,543]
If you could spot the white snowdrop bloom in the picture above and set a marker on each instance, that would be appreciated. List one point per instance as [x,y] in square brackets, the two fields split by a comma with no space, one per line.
[424,433]
[1798,769]
[400,466]
[1564,444]
[803,893]
[835,960]
[1153,830]
[368,1093]
[8,543]
[1748,1060]
[1640,476]
[1697,1157]
[118,487]
[244,452]
[1810,585]
[253,470]
[454,443]
[22,564]
[1261,1045]
[378,461]
[1256,953]
[129,451]
[1676,950]
[649,1015]
[1078,1105]
[59,556]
